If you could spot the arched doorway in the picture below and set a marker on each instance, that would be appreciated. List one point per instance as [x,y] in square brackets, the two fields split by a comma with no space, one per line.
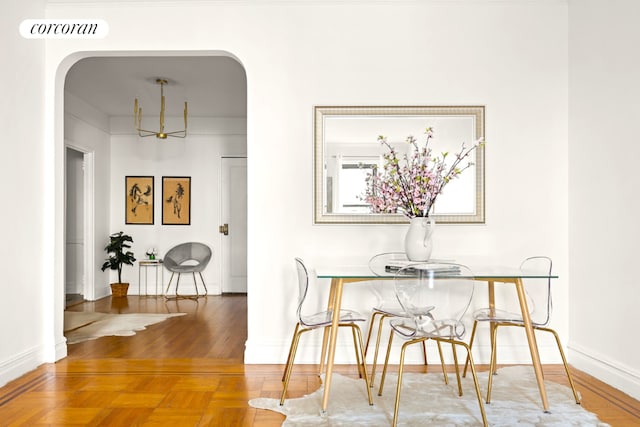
[99,91]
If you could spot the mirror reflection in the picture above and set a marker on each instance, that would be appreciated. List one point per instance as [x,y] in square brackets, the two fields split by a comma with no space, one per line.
[347,150]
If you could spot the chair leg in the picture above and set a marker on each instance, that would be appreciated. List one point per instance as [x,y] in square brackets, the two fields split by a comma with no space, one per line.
[286,366]
[475,382]
[372,320]
[356,328]
[564,362]
[396,406]
[444,369]
[473,336]
[386,363]
[166,292]
[177,285]
[492,361]
[424,353]
[375,353]
[455,364]
[356,347]
[195,284]
[287,376]
[206,291]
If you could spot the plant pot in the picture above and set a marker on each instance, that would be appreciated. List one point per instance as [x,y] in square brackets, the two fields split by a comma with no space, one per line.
[119,289]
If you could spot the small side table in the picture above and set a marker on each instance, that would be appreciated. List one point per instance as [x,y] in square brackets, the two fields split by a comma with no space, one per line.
[146,263]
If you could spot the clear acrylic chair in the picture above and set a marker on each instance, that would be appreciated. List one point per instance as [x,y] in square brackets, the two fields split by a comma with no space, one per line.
[190,257]
[506,313]
[322,319]
[436,296]
[387,305]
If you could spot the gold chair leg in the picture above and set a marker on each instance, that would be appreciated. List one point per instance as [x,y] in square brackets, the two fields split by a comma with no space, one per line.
[377,349]
[455,364]
[475,382]
[386,363]
[364,363]
[372,321]
[564,362]
[396,406]
[286,366]
[473,336]
[492,361]
[355,347]
[294,348]
[323,352]
[424,353]
[444,369]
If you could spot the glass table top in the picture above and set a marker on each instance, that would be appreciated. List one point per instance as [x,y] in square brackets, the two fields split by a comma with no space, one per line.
[480,272]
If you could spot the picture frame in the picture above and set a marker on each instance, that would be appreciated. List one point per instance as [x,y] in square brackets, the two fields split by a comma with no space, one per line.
[176,200]
[139,200]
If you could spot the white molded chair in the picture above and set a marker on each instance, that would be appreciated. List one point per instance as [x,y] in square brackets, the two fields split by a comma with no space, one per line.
[539,302]
[436,296]
[191,257]
[322,319]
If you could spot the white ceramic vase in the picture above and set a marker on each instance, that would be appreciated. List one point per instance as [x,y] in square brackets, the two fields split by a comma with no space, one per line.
[418,240]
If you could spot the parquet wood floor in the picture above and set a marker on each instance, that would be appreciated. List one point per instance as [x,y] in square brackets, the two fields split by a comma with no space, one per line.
[188,371]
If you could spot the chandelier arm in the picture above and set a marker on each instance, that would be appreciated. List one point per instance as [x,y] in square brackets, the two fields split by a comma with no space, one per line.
[137,117]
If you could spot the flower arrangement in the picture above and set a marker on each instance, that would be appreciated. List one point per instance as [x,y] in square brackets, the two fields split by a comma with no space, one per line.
[411,186]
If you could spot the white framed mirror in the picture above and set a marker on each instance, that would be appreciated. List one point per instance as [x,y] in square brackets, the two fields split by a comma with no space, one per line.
[346,149]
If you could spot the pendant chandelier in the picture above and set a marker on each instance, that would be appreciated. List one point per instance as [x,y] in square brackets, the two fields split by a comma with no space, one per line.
[161,134]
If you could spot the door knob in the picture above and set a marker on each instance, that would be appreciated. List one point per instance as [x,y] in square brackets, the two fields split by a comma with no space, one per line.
[224,229]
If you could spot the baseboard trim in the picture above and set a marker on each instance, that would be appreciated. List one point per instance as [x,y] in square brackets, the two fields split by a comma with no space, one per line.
[27,361]
[623,378]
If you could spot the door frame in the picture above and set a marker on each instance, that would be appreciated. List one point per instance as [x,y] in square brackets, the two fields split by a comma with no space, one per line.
[88,218]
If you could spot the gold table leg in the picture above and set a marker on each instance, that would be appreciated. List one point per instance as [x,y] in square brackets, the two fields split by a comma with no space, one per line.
[531,338]
[336,287]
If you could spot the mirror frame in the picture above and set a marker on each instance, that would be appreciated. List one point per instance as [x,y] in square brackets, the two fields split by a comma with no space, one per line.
[322,112]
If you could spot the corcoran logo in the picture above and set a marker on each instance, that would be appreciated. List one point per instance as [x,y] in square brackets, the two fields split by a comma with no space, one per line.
[64,28]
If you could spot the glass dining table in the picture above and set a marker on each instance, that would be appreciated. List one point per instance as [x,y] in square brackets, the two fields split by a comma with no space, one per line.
[489,274]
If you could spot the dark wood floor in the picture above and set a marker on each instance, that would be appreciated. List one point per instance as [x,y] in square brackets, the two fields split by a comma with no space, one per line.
[189,371]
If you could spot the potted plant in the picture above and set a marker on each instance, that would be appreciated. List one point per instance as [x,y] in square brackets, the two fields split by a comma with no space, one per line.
[118,256]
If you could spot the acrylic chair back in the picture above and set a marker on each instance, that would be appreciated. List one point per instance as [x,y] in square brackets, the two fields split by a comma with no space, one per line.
[538,290]
[437,296]
[303,285]
[386,264]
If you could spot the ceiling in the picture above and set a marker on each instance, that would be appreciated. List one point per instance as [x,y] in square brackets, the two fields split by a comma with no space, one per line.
[213,86]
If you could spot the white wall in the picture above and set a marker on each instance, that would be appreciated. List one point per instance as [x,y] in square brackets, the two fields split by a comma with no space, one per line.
[25,256]
[510,56]
[197,156]
[414,53]
[604,106]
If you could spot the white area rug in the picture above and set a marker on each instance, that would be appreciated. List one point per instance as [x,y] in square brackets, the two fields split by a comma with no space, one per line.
[426,400]
[84,325]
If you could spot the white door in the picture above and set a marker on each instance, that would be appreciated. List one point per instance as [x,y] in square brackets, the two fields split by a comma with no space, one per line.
[233,227]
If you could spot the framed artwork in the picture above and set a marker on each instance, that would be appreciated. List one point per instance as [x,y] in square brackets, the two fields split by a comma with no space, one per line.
[138,200]
[176,200]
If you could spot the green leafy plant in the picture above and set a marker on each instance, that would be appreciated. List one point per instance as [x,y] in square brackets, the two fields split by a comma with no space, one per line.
[118,253]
